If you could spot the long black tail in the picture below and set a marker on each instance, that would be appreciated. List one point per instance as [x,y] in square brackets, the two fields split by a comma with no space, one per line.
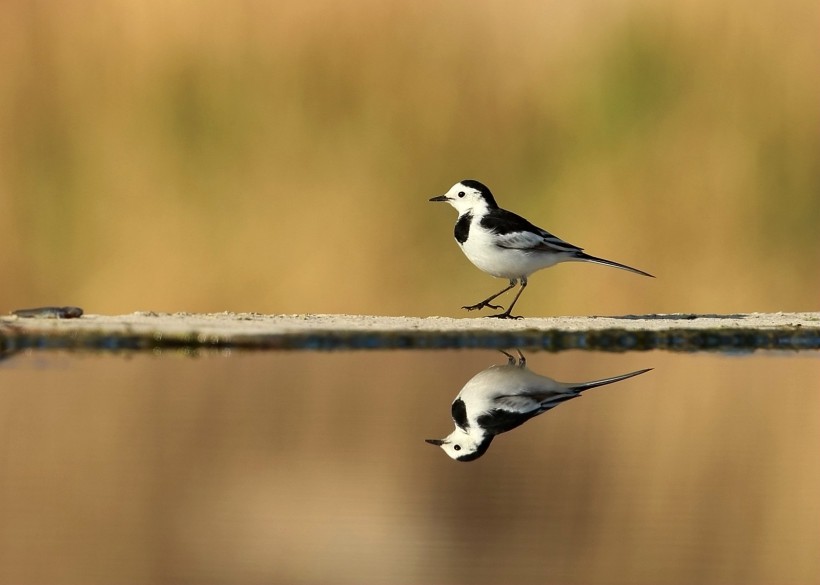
[584,257]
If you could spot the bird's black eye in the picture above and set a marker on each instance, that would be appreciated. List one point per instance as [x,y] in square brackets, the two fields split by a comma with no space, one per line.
[461,193]
[457,447]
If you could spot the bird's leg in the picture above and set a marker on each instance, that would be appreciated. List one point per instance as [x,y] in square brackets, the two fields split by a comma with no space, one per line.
[486,302]
[522,361]
[510,358]
[506,314]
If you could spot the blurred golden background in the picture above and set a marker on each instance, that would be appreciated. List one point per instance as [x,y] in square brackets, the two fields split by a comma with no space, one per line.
[270,157]
[278,157]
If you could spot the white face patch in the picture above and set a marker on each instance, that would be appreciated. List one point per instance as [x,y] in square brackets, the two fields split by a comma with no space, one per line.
[459,444]
[466,200]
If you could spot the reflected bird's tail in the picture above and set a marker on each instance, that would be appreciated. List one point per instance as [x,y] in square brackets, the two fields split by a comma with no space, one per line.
[595,383]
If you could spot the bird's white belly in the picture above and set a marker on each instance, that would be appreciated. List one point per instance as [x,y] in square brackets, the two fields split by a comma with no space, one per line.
[481,250]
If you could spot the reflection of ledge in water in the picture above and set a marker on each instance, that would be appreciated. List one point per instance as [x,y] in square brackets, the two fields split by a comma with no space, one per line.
[251,331]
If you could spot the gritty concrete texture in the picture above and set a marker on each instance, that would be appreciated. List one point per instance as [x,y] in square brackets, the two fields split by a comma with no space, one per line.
[148,330]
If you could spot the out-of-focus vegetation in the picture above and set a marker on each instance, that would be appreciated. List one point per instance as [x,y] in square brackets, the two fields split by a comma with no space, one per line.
[273,157]
[278,157]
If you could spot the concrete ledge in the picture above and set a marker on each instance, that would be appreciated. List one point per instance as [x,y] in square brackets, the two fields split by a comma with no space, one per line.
[252,331]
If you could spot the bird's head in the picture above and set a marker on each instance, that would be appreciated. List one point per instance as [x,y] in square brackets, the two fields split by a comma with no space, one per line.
[469,196]
[463,446]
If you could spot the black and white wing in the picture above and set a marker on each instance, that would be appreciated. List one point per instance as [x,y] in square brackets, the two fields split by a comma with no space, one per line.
[515,232]
[510,411]
[535,401]
[499,420]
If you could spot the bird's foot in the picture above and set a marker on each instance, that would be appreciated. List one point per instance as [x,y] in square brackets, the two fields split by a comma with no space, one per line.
[481,305]
[511,361]
[504,316]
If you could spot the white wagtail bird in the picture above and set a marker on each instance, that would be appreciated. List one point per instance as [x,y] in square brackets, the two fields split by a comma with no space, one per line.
[501,398]
[506,245]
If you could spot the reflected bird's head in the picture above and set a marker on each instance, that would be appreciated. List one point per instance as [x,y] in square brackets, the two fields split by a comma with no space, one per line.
[462,446]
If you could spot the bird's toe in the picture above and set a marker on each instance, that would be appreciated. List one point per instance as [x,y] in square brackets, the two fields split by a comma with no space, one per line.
[504,316]
[481,306]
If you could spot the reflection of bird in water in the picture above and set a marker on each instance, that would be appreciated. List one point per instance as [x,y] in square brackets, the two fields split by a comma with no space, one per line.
[501,398]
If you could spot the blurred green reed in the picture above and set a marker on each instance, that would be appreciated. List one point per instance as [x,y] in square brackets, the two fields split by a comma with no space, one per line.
[245,157]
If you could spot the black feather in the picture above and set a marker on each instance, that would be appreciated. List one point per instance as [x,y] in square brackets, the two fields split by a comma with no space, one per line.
[502,222]
[483,189]
[462,229]
[499,421]
[459,412]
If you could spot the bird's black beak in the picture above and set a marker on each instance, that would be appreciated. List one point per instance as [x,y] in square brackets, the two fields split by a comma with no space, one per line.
[439,198]
[436,442]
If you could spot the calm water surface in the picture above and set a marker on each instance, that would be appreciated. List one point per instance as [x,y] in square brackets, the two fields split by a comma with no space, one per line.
[312,468]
